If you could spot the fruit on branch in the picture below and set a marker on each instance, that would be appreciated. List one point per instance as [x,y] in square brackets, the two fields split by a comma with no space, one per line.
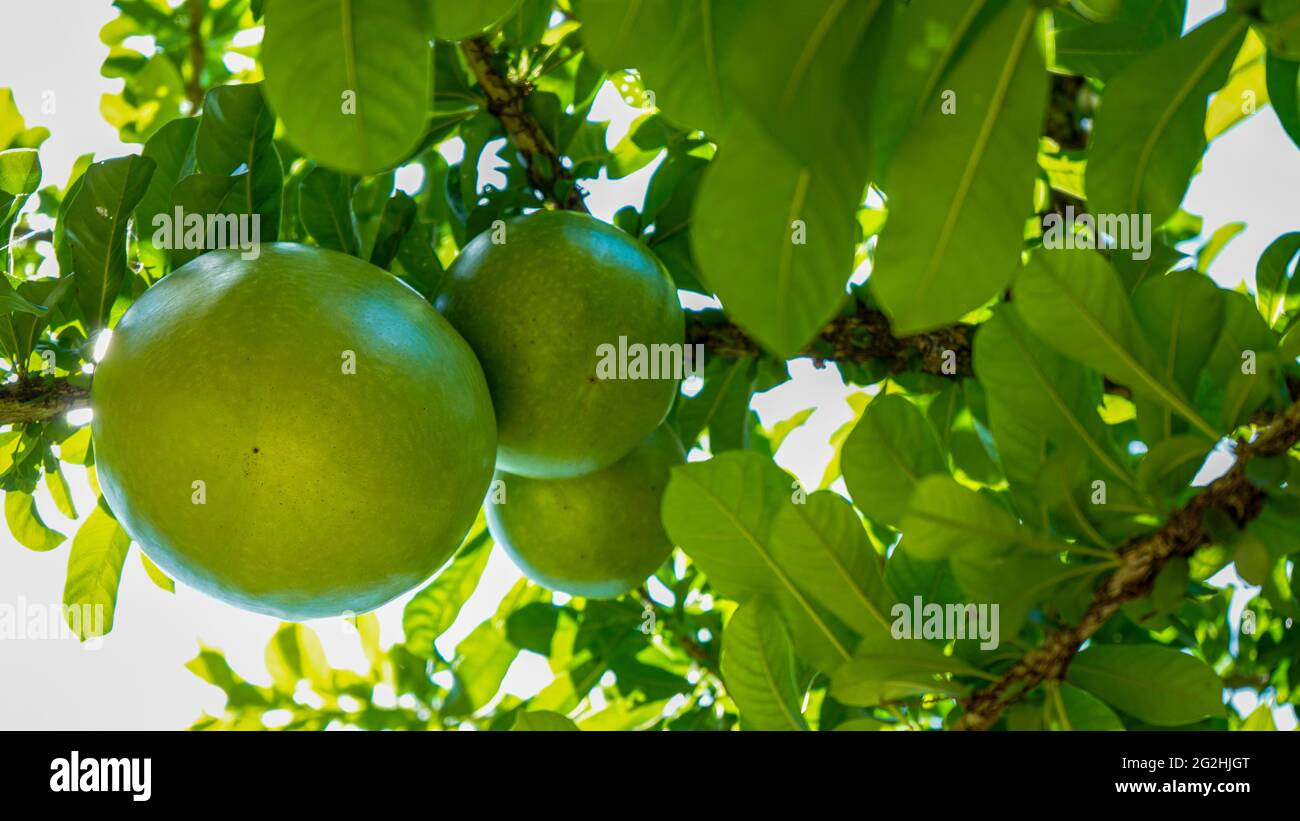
[298,434]
[542,300]
[597,535]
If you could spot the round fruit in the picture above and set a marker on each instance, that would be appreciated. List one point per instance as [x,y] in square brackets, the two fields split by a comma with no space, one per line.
[299,435]
[543,310]
[597,535]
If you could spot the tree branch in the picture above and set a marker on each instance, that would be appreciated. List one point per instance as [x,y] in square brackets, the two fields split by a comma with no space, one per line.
[39,400]
[506,100]
[194,88]
[1141,561]
[862,337]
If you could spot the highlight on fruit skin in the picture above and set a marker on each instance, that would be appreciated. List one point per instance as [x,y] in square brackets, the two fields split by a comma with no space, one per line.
[537,301]
[598,535]
[299,435]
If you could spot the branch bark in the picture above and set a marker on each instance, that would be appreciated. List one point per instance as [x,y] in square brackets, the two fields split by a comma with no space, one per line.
[506,101]
[40,400]
[1140,562]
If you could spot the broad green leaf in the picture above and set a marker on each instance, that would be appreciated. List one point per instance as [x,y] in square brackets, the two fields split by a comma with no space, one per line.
[721,512]
[1084,711]
[759,669]
[325,207]
[792,65]
[57,484]
[235,136]
[891,449]
[395,222]
[677,46]
[1073,301]
[1102,50]
[1282,78]
[1243,94]
[1275,277]
[1281,27]
[945,519]
[1156,684]
[925,41]
[1150,131]
[156,574]
[29,306]
[1014,581]
[888,669]
[20,176]
[432,610]
[1048,393]
[961,184]
[823,546]
[1244,341]
[350,81]
[95,227]
[26,524]
[462,19]
[774,239]
[1181,313]
[172,150]
[206,197]
[1170,464]
[295,653]
[543,721]
[94,571]
[721,406]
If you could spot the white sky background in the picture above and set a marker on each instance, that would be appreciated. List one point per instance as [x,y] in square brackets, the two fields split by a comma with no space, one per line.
[137,678]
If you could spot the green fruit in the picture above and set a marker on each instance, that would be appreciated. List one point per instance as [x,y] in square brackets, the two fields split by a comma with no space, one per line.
[322,490]
[537,310]
[597,535]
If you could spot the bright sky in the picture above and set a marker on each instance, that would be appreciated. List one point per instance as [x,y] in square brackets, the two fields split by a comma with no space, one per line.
[137,678]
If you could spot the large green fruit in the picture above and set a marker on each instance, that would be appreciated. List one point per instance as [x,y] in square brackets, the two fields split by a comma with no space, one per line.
[299,435]
[597,535]
[537,309]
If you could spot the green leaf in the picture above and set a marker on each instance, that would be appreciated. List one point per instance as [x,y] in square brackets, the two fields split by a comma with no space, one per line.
[1171,464]
[1085,711]
[26,525]
[1240,392]
[1102,50]
[889,669]
[923,44]
[792,65]
[1275,277]
[325,207]
[57,484]
[172,150]
[945,519]
[95,228]
[1073,301]
[1156,684]
[351,82]
[1049,394]
[1150,131]
[206,196]
[543,721]
[295,653]
[1181,313]
[396,221]
[462,19]
[432,610]
[20,176]
[156,575]
[1282,78]
[235,136]
[94,571]
[889,451]
[961,184]
[721,406]
[759,669]
[677,46]
[823,546]
[721,512]
[774,239]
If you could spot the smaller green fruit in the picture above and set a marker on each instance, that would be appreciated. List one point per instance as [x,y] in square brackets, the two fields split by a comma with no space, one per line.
[597,535]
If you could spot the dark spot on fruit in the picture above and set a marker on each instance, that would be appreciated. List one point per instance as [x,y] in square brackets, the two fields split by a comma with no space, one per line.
[256,450]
